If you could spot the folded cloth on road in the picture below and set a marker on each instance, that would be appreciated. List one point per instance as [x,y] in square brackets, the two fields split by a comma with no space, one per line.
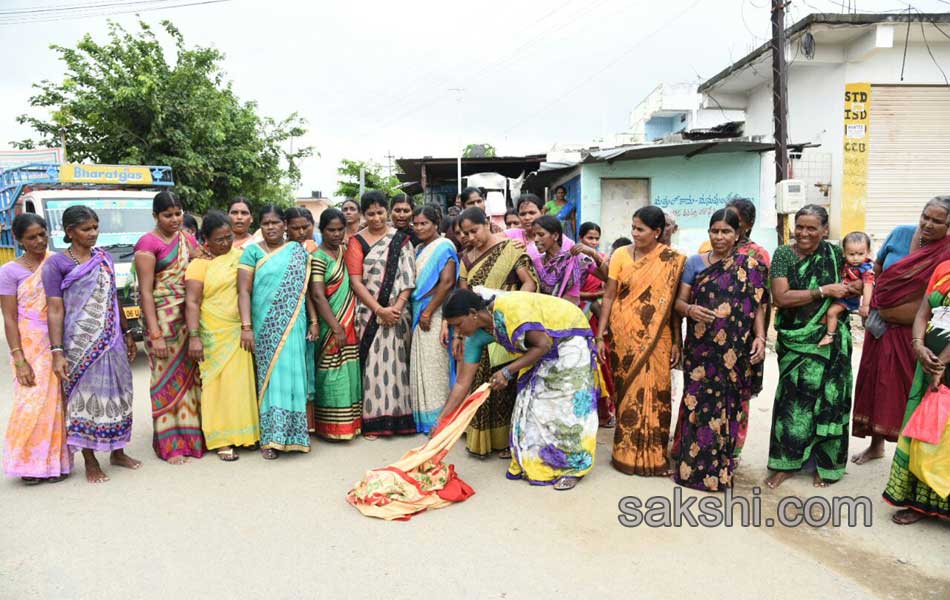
[419,480]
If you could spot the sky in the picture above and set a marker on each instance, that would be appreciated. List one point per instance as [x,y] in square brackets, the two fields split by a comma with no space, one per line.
[379,79]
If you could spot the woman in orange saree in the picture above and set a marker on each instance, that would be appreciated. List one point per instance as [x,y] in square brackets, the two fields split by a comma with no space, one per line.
[35,446]
[638,308]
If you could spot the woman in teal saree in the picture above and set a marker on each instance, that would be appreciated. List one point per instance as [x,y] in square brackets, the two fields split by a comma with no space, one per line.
[273,277]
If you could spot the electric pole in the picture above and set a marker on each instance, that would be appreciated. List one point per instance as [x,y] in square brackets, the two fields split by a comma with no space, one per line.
[780,102]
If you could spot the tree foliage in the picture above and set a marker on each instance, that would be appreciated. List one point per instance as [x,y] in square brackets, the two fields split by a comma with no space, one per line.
[478,151]
[348,185]
[125,102]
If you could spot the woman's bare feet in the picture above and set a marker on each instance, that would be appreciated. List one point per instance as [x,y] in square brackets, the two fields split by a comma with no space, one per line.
[907,516]
[818,482]
[874,451]
[826,340]
[120,459]
[178,460]
[776,478]
[94,473]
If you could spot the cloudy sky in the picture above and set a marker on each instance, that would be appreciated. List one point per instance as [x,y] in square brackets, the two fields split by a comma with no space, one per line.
[378,78]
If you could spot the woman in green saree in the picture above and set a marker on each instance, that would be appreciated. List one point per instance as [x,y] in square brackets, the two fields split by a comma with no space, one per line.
[812,407]
[273,278]
[931,340]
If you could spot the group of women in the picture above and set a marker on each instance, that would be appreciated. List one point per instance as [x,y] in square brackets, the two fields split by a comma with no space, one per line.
[386,325]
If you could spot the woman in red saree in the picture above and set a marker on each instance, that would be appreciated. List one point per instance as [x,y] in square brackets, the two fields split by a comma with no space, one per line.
[887,360]
[161,259]
[592,290]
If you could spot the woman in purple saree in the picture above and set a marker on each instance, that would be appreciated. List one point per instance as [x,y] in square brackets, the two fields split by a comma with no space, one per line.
[91,345]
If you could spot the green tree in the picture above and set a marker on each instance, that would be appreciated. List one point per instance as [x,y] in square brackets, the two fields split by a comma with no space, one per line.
[125,102]
[348,185]
[478,151]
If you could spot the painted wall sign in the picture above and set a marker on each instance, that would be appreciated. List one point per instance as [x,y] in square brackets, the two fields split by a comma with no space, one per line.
[854,184]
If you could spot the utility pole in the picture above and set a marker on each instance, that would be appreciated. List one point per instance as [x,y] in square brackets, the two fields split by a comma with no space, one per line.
[389,163]
[362,180]
[458,168]
[780,103]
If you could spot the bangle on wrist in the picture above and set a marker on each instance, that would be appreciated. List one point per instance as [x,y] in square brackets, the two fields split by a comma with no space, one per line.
[155,335]
[12,350]
[20,363]
[194,333]
[55,348]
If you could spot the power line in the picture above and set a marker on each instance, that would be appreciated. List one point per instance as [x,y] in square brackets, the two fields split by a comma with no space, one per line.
[586,80]
[440,97]
[72,7]
[19,20]
[431,79]
[932,57]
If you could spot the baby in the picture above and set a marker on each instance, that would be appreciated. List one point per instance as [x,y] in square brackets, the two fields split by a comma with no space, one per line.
[858,267]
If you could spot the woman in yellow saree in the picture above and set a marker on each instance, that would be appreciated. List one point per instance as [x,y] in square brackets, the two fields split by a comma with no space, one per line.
[228,402]
[495,262]
[638,307]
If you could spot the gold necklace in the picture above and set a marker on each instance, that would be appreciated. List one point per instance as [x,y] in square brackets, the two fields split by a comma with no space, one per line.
[28,265]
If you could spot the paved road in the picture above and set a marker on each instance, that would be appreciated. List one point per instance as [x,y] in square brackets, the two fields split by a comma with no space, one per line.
[283,530]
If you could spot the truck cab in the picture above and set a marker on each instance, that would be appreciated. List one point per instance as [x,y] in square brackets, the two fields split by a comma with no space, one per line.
[120,194]
[124,217]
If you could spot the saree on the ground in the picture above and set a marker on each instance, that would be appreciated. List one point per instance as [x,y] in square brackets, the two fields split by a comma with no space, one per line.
[554,421]
[98,388]
[420,480]
[35,442]
[175,386]
[642,336]
[338,406]
[904,488]
[719,372]
[279,318]
[497,269]
[229,414]
[429,362]
[813,399]
[388,267]
[888,363]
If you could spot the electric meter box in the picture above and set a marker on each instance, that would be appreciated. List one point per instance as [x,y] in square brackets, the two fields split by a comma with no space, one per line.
[789,196]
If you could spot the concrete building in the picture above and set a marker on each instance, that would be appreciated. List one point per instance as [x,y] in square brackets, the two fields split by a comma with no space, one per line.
[870,91]
[688,178]
[316,203]
[671,108]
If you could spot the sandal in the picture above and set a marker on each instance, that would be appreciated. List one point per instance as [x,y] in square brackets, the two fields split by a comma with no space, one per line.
[56,479]
[31,480]
[229,455]
[269,453]
[566,483]
[505,454]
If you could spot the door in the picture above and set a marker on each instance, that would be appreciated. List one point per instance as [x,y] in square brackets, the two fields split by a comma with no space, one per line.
[907,157]
[619,199]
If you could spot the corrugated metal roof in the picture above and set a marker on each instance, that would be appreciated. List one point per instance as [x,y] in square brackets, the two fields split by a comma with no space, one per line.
[687,149]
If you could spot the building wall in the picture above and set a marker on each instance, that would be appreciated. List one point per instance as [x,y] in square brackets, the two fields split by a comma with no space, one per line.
[816,101]
[691,188]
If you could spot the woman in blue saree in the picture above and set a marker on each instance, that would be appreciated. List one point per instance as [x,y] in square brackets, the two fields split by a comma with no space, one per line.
[429,365]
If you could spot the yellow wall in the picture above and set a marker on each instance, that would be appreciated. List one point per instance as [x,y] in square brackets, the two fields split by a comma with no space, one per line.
[854,185]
